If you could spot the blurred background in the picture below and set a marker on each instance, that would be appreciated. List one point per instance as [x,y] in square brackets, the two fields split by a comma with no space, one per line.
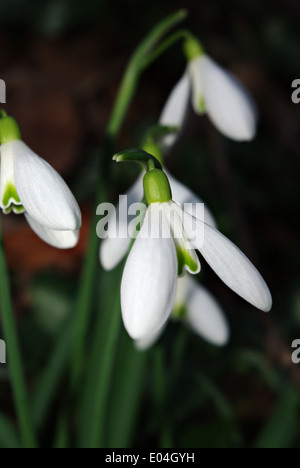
[62,61]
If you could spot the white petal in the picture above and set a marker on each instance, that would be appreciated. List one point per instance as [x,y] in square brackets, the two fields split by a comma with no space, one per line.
[196,74]
[228,103]
[230,264]
[42,191]
[204,315]
[149,341]
[149,281]
[175,109]
[58,239]
[183,195]
[113,250]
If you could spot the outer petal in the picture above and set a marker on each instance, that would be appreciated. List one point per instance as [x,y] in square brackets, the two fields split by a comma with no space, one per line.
[149,281]
[230,264]
[113,250]
[42,191]
[175,109]
[149,341]
[182,194]
[228,103]
[58,239]
[204,314]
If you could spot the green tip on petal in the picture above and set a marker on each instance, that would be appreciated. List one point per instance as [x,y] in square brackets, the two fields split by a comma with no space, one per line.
[193,48]
[185,260]
[157,187]
[11,200]
[9,129]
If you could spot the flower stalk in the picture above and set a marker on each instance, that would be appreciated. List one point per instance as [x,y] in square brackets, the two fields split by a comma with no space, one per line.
[14,355]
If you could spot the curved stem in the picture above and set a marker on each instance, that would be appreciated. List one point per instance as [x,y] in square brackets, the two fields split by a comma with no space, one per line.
[14,355]
[164,46]
[135,67]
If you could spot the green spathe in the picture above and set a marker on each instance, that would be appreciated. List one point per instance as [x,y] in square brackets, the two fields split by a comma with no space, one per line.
[157,187]
[9,129]
[138,156]
[193,48]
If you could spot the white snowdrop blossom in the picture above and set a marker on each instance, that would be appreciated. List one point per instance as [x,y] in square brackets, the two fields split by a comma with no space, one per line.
[215,92]
[166,246]
[29,185]
[113,249]
[198,309]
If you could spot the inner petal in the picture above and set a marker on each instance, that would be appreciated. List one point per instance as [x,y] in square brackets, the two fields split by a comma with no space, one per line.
[186,255]
[9,198]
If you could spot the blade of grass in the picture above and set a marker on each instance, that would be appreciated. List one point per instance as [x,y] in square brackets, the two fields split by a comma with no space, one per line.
[282,428]
[49,379]
[85,295]
[161,390]
[8,435]
[100,363]
[127,390]
[14,356]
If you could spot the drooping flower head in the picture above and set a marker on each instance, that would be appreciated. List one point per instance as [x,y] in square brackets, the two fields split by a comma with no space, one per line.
[29,185]
[166,247]
[215,92]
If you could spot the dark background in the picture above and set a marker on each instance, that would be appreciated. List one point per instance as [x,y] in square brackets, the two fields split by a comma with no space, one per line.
[62,62]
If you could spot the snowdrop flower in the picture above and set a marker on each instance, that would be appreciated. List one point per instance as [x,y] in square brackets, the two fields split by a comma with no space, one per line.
[198,309]
[215,92]
[29,185]
[112,249]
[166,246]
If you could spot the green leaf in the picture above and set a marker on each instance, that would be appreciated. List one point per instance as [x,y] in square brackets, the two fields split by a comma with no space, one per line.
[282,428]
[126,394]
[100,362]
[50,377]
[8,435]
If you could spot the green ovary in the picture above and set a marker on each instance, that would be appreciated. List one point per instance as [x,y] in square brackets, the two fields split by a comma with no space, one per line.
[11,200]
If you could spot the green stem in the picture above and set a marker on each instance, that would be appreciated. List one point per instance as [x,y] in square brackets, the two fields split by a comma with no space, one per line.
[135,67]
[164,46]
[14,356]
[85,295]
[161,391]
